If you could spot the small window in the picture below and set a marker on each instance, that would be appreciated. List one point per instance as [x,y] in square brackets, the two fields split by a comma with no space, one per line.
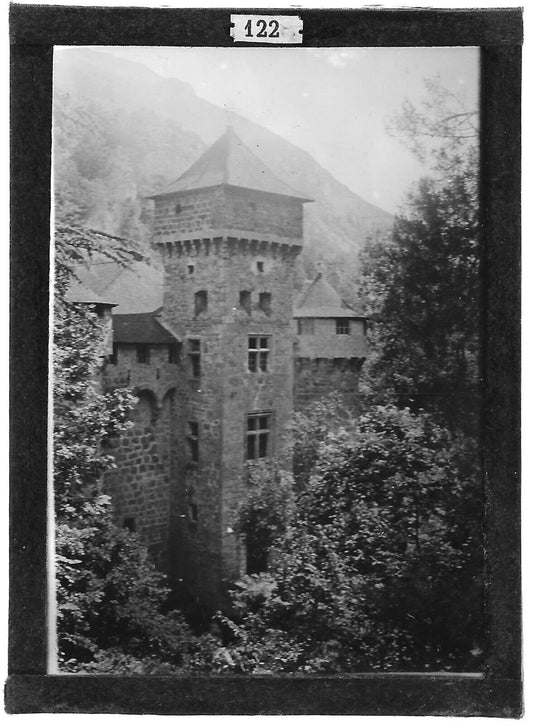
[129,524]
[343,326]
[113,358]
[143,354]
[256,557]
[245,300]
[257,436]
[258,352]
[306,327]
[190,268]
[174,354]
[265,302]
[177,208]
[200,302]
[193,513]
[194,357]
[260,266]
[192,440]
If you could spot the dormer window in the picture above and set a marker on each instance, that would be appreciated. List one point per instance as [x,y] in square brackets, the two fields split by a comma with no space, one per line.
[343,326]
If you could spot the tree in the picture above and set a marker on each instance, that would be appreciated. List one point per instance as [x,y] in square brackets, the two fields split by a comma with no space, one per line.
[420,284]
[262,517]
[379,566]
[110,599]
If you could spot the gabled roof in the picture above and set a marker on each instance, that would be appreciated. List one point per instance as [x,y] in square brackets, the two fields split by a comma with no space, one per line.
[78,291]
[138,288]
[141,328]
[229,161]
[321,300]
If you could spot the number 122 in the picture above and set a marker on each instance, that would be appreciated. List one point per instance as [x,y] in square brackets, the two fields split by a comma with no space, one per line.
[263,25]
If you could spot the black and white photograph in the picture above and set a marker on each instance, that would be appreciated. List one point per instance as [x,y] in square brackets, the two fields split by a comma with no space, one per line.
[279,376]
[266,360]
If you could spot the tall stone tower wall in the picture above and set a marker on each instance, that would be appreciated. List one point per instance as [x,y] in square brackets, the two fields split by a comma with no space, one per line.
[226,210]
[236,274]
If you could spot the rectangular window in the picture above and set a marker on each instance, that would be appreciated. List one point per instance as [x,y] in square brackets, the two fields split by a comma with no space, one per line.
[129,523]
[200,302]
[194,357]
[143,354]
[306,327]
[343,326]
[113,358]
[257,436]
[258,352]
[245,300]
[265,302]
[174,354]
[192,440]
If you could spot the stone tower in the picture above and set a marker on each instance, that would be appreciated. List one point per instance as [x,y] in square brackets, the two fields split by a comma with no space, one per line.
[229,233]
[331,346]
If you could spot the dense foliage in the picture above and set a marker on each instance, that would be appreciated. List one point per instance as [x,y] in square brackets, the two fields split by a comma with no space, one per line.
[110,598]
[420,284]
[367,553]
[380,563]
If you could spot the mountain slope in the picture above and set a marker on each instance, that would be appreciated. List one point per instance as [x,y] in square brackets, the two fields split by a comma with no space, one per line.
[135,100]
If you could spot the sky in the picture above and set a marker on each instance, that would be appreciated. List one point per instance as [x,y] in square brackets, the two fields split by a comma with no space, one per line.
[332,102]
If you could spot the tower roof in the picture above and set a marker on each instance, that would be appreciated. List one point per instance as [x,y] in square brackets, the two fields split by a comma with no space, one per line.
[321,300]
[229,161]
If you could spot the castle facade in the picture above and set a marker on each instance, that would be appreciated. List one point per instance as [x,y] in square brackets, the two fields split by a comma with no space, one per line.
[219,367]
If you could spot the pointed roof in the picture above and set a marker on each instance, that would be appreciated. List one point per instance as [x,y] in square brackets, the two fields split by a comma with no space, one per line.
[229,161]
[137,288]
[321,300]
[80,292]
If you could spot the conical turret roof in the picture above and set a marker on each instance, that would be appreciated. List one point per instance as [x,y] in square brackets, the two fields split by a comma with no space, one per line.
[229,161]
[321,300]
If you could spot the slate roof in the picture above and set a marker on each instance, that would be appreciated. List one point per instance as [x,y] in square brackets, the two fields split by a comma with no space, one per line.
[78,291]
[319,299]
[229,161]
[139,328]
[133,290]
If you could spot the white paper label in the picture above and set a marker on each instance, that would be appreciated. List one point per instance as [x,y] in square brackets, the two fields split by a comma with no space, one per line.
[266,28]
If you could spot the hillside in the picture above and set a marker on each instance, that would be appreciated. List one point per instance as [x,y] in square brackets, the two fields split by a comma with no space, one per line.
[149,129]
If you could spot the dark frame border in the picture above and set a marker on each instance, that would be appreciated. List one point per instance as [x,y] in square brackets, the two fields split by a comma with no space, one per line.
[498,692]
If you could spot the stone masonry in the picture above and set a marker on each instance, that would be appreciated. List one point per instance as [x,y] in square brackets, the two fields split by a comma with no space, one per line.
[220,368]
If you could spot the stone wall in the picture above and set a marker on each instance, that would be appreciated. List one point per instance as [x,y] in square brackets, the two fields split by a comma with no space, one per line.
[316,378]
[197,213]
[143,484]
[140,486]
[227,391]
